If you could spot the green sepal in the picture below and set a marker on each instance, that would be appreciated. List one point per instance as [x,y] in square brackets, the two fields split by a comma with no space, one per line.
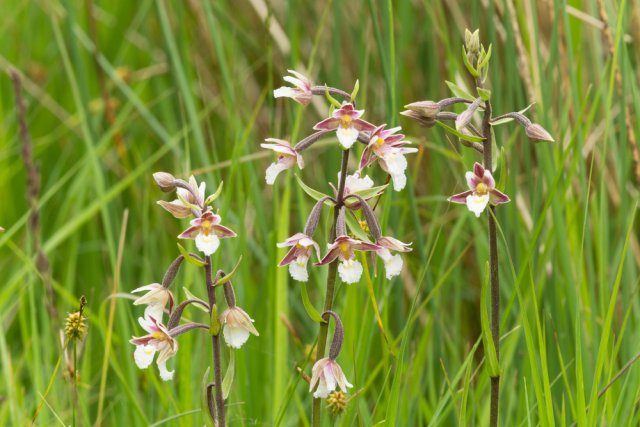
[228,277]
[330,98]
[467,64]
[189,258]
[354,92]
[215,195]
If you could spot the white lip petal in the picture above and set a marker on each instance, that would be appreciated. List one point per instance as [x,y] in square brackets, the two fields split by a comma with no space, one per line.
[235,337]
[322,391]
[355,183]
[165,374]
[477,204]
[298,270]
[347,136]
[143,355]
[399,181]
[395,162]
[273,171]
[350,271]
[393,266]
[207,244]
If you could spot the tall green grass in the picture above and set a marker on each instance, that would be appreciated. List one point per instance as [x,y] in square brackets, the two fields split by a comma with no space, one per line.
[190,82]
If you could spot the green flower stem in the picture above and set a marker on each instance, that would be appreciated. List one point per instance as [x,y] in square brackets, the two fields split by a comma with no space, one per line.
[215,344]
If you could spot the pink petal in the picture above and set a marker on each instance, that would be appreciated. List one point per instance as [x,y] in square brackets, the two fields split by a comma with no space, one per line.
[190,233]
[460,198]
[498,198]
[330,256]
[327,124]
[289,257]
[362,125]
[478,169]
[222,231]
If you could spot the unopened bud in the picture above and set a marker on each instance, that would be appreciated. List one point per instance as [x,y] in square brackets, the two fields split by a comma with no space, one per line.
[537,133]
[418,118]
[426,109]
[337,402]
[472,42]
[165,181]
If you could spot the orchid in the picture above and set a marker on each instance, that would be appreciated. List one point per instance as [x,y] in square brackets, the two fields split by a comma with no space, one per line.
[159,340]
[390,149]
[482,191]
[288,157]
[236,326]
[328,375]
[347,123]
[301,93]
[156,299]
[301,248]
[353,184]
[344,248]
[188,201]
[392,263]
[207,232]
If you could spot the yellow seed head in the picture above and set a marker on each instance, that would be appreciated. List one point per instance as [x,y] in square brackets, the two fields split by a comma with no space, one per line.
[75,327]
[337,402]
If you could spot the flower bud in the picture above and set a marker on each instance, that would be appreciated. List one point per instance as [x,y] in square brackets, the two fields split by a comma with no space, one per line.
[165,181]
[472,41]
[418,118]
[537,133]
[426,109]
[337,402]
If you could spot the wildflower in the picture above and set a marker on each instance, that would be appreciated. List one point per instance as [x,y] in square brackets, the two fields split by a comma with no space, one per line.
[347,123]
[537,133]
[287,158]
[301,93]
[188,201]
[426,110]
[236,326]
[207,232]
[482,191]
[353,184]
[156,299]
[392,263]
[327,374]
[298,256]
[344,248]
[389,148]
[159,340]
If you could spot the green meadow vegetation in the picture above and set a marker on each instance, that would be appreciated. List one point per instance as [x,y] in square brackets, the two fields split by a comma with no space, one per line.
[114,91]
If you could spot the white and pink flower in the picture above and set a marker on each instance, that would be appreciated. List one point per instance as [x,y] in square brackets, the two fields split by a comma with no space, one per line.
[301,92]
[186,202]
[158,340]
[207,232]
[288,157]
[344,247]
[298,256]
[482,191]
[236,326]
[389,148]
[392,263]
[156,299]
[347,123]
[327,375]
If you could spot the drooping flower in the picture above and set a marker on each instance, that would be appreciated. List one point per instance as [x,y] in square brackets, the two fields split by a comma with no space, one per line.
[301,248]
[186,202]
[482,191]
[159,340]
[156,299]
[207,232]
[328,375]
[301,93]
[236,326]
[390,149]
[288,157]
[344,248]
[392,263]
[347,123]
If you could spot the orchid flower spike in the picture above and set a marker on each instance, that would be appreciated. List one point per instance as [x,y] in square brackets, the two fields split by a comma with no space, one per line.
[301,248]
[156,299]
[392,263]
[187,201]
[344,248]
[347,124]
[207,232]
[301,92]
[390,149]
[482,191]
[288,157]
[236,326]
[159,340]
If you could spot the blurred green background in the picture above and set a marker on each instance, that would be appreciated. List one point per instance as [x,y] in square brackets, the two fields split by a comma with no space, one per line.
[118,90]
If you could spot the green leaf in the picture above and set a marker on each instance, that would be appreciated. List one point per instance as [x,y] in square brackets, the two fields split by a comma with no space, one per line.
[460,134]
[190,258]
[228,376]
[485,94]
[467,64]
[315,194]
[459,92]
[311,310]
[203,399]
[228,277]
[356,88]
[215,195]
[193,297]
[330,98]
[355,227]
[371,192]
[484,60]
[214,323]
[487,341]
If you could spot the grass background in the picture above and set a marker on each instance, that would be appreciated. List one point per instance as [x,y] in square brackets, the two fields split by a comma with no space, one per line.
[187,86]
